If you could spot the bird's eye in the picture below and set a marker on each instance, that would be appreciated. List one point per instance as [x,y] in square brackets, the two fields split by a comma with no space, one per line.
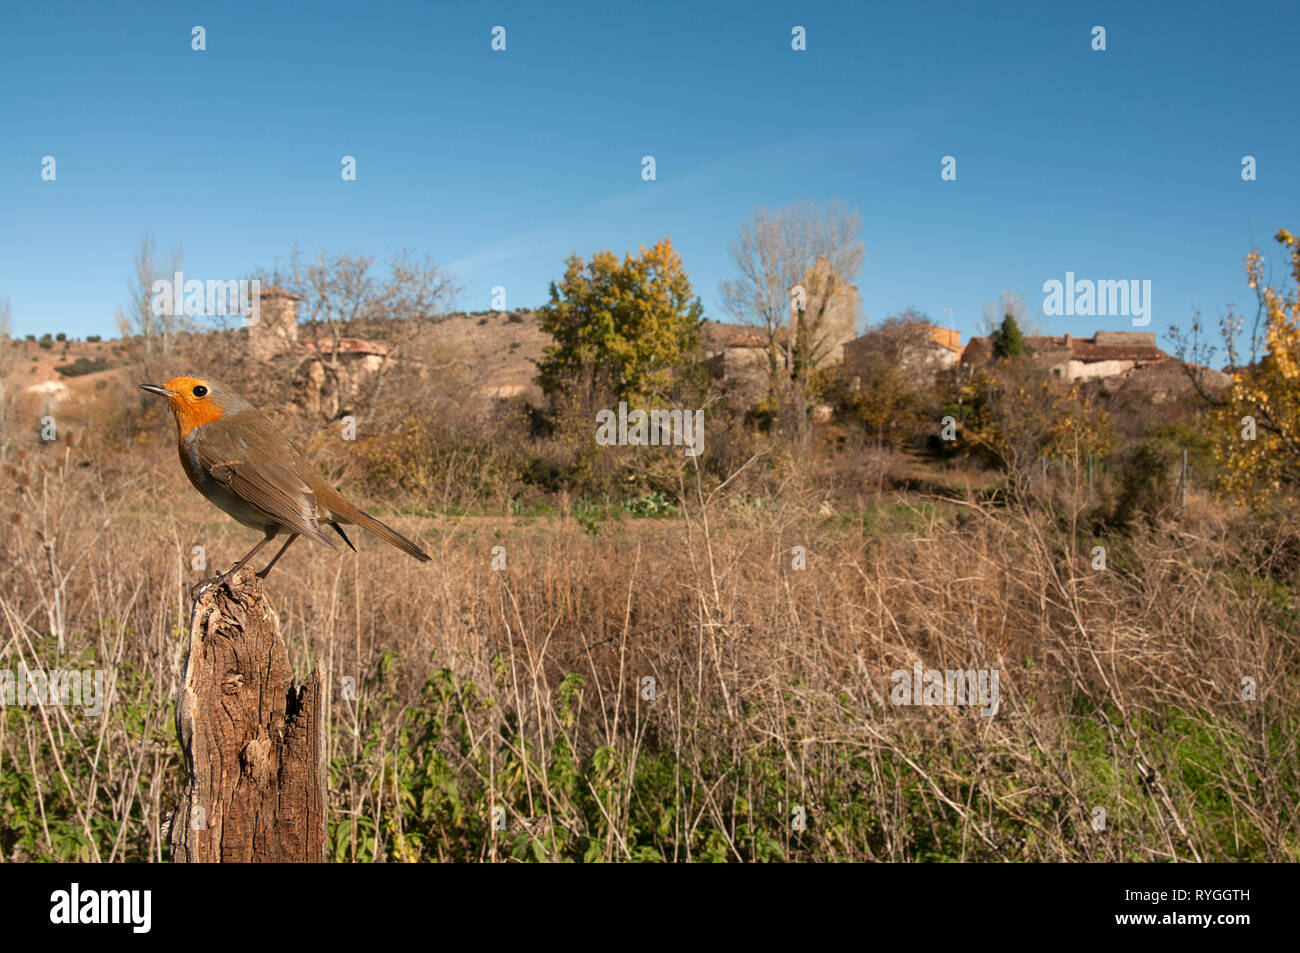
[200,391]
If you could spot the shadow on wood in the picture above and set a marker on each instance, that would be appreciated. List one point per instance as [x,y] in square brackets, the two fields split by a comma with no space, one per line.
[253,739]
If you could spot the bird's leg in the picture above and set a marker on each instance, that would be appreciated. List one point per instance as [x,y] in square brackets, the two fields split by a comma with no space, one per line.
[287,543]
[223,578]
[270,535]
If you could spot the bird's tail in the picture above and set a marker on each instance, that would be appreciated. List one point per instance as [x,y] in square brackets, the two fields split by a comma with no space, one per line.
[349,513]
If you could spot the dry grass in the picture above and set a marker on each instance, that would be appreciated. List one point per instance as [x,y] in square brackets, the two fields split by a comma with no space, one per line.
[521,691]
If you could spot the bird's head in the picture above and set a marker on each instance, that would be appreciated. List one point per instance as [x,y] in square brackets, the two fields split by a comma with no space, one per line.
[195,401]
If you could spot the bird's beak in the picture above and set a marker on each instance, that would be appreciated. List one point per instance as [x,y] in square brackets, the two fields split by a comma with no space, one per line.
[156,389]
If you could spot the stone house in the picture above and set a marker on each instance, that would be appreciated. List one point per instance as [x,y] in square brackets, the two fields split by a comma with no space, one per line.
[738,358]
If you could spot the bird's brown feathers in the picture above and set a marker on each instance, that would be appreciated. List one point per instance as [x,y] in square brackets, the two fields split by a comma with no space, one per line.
[251,458]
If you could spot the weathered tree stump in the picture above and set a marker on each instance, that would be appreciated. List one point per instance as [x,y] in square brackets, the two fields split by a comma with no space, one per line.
[253,739]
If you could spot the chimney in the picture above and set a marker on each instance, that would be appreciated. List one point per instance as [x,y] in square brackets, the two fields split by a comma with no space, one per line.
[1067,340]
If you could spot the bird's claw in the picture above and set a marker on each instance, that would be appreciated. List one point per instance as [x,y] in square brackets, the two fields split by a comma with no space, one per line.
[202,585]
[220,579]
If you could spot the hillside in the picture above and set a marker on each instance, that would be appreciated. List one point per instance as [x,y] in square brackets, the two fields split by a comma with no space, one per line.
[499,349]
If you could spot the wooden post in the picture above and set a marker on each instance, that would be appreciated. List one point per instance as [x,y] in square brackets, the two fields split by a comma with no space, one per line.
[253,739]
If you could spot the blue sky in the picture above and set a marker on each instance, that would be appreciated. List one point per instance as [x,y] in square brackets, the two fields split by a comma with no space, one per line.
[1123,164]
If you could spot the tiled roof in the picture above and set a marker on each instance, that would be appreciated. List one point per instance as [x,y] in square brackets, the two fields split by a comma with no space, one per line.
[716,335]
[1087,351]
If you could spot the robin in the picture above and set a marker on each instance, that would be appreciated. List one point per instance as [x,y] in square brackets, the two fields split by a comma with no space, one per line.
[243,464]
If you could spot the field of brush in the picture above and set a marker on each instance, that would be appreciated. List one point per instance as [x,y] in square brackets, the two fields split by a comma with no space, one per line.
[709,679]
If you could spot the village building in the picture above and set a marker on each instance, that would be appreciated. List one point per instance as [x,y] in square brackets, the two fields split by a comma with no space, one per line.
[832,305]
[915,347]
[740,356]
[275,336]
[738,359]
[1104,355]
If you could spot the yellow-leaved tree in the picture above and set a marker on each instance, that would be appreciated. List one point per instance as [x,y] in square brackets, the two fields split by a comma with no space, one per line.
[625,328]
[1257,418]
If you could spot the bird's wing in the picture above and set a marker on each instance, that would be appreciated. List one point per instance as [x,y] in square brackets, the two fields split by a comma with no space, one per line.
[273,488]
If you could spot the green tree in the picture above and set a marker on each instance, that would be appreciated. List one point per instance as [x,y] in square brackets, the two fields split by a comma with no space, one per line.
[625,328]
[1007,340]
